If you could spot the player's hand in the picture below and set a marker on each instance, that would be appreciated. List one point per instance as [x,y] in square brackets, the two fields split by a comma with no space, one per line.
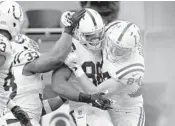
[21,115]
[28,124]
[71,20]
[73,61]
[98,100]
[66,18]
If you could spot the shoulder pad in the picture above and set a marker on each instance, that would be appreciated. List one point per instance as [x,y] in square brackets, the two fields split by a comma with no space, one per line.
[5,46]
[129,71]
[25,56]
[21,39]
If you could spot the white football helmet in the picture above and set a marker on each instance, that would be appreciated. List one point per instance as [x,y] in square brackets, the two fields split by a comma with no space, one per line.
[122,38]
[14,10]
[91,30]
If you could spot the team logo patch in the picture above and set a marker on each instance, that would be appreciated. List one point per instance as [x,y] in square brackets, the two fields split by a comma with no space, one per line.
[16,13]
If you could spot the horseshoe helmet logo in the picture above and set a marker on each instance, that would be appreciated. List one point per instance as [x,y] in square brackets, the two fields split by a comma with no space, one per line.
[17,13]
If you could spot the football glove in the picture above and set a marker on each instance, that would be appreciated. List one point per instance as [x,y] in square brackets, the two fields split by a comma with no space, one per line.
[71,20]
[97,100]
[21,115]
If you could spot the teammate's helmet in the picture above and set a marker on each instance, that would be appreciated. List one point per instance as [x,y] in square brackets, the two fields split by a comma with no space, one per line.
[90,31]
[16,17]
[122,38]
[22,42]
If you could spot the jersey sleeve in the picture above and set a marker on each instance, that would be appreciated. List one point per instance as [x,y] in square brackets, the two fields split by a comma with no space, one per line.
[26,42]
[130,74]
[5,46]
[25,57]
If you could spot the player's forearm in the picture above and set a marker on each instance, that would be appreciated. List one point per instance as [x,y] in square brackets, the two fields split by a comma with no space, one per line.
[87,85]
[111,85]
[71,93]
[52,59]
[57,55]
[62,47]
[67,91]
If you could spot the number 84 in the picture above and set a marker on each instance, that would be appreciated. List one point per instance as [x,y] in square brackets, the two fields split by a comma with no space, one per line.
[130,81]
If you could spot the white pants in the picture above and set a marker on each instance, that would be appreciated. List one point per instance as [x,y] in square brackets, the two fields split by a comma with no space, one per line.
[90,116]
[130,116]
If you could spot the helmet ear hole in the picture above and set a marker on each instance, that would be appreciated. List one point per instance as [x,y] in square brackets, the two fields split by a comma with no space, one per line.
[25,47]
[14,24]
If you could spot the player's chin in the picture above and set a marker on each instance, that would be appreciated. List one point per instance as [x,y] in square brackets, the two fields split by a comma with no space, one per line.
[59,119]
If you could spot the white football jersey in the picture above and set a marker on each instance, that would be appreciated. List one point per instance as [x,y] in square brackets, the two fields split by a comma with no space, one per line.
[5,72]
[29,88]
[129,73]
[91,65]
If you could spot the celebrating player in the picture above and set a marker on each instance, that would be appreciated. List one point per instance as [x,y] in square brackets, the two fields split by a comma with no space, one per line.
[87,44]
[27,63]
[9,28]
[123,71]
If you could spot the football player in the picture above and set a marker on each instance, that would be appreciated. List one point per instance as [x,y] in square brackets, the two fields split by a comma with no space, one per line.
[123,71]
[29,87]
[87,44]
[9,28]
[27,63]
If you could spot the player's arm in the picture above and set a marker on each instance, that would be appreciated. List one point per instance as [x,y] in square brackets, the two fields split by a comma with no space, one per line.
[113,83]
[74,63]
[85,83]
[110,85]
[61,86]
[20,114]
[66,90]
[52,59]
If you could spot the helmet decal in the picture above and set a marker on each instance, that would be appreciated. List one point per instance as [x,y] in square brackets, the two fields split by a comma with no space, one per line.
[15,13]
[125,29]
[92,17]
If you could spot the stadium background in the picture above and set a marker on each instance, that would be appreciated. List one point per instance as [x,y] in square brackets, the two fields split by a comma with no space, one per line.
[157,22]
